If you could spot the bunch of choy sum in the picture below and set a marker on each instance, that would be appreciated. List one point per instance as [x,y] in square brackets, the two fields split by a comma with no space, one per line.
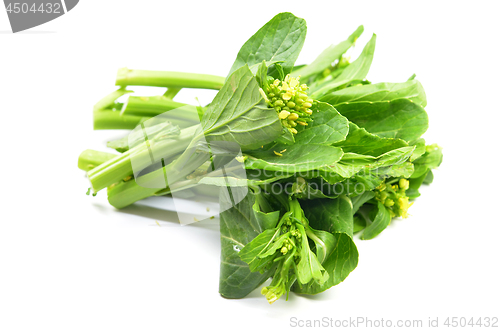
[325,154]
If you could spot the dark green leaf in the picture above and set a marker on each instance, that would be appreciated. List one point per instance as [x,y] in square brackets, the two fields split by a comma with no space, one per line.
[400,118]
[239,114]
[354,71]
[360,200]
[328,56]
[327,127]
[419,148]
[280,39]
[296,158]
[334,216]
[429,178]
[359,223]
[415,183]
[254,252]
[381,221]
[361,141]
[238,226]
[411,90]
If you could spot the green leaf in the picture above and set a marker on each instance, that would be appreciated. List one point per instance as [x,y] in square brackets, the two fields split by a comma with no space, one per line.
[394,157]
[324,242]
[360,200]
[405,170]
[286,137]
[359,223]
[431,159]
[419,148]
[400,118]
[415,183]
[296,158]
[334,216]
[330,215]
[381,221]
[261,75]
[429,178]
[361,141]
[238,227]
[253,178]
[280,39]
[411,90]
[387,164]
[262,246]
[309,268]
[327,127]
[306,190]
[239,114]
[353,72]
[328,56]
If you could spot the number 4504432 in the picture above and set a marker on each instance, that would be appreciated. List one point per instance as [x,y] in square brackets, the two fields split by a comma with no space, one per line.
[24,8]
[471,322]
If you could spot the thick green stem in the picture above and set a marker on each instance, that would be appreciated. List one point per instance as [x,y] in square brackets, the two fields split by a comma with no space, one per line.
[126,193]
[153,106]
[89,159]
[110,99]
[172,92]
[171,79]
[120,167]
[112,120]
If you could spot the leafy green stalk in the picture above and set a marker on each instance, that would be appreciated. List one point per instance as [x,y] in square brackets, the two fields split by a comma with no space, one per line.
[89,159]
[171,79]
[285,249]
[162,130]
[113,120]
[109,100]
[120,167]
[153,106]
[238,114]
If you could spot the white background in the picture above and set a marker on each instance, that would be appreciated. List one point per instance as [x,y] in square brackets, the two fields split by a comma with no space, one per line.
[72,262]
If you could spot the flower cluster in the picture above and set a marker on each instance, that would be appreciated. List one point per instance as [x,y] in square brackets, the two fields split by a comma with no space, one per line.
[289,99]
[394,197]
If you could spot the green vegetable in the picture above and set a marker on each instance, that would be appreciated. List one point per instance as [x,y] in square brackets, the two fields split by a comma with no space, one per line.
[323,156]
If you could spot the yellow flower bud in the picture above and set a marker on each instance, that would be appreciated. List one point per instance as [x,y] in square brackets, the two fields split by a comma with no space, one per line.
[293,82]
[404,184]
[292,130]
[283,114]
[291,104]
[307,105]
[302,123]
[293,116]
[287,96]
